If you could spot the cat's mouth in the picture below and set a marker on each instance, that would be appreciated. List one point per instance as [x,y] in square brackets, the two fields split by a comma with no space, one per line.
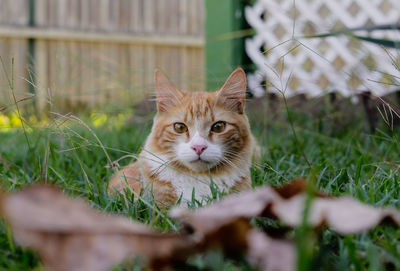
[200,165]
[199,160]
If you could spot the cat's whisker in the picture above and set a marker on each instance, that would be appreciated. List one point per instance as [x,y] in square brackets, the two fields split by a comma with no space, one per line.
[228,162]
[235,157]
[238,158]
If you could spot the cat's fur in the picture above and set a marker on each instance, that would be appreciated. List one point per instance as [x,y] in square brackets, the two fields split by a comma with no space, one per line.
[173,164]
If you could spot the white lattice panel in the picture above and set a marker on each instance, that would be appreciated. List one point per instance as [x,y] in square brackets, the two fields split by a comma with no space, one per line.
[316,66]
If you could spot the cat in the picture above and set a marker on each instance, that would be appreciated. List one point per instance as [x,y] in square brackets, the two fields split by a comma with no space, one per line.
[196,137]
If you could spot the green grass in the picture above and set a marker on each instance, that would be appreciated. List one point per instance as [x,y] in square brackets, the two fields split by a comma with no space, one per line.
[346,160]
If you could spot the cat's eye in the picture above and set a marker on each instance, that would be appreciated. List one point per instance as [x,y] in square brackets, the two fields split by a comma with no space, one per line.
[218,127]
[180,127]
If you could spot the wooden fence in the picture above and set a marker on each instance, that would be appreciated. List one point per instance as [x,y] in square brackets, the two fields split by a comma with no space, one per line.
[88,53]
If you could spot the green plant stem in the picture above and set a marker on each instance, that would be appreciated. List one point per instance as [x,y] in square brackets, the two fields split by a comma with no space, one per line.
[12,88]
[294,132]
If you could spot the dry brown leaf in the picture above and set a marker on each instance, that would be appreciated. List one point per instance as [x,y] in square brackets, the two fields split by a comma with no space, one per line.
[69,235]
[246,204]
[243,205]
[270,254]
[292,188]
[237,237]
[343,215]
[226,224]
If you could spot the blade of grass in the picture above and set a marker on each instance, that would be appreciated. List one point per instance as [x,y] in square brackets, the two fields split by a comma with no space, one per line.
[10,239]
[12,86]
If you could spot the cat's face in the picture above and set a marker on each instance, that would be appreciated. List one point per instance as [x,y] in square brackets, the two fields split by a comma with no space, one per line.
[201,131]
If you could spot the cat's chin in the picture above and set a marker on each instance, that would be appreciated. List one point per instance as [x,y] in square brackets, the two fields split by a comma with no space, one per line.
[200,165]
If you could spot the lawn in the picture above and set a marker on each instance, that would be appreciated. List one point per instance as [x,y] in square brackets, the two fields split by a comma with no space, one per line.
[344,159]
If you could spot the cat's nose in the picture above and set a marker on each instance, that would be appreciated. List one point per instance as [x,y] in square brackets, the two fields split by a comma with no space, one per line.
[199,148]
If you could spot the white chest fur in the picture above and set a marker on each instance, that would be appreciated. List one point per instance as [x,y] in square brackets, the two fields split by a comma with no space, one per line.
[187,185]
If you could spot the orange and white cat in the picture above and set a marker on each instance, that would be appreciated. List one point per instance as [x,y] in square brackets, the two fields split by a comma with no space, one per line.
[196,137]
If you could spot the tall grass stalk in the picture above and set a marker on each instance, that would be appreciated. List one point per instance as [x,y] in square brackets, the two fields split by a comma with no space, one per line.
[12,88]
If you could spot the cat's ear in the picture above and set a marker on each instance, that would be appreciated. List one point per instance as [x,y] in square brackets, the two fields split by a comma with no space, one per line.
[233,92]
[167,94]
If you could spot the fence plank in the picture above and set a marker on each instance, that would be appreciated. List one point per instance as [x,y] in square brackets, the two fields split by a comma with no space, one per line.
[96,52]
[42,96]
[149,18]
[65,35]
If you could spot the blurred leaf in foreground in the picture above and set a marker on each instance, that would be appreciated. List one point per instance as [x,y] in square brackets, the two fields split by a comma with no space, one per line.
[70,235]
[342,214]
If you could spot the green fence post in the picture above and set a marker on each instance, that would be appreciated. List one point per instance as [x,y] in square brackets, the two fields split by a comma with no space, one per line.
[31,55]
[223,52]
